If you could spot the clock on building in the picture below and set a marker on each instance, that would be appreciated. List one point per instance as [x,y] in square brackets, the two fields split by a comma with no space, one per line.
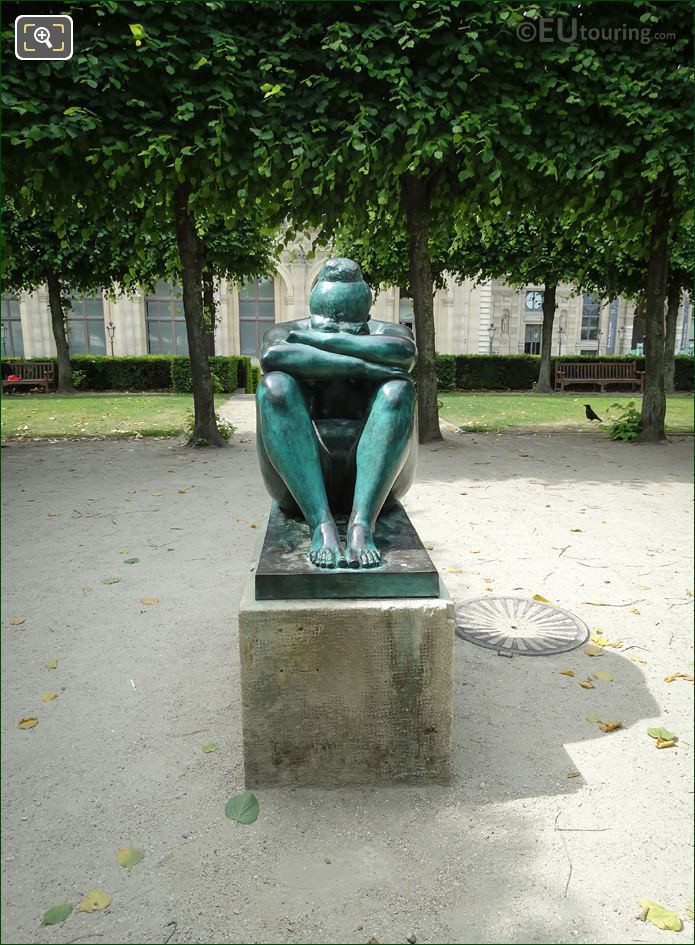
[534,301]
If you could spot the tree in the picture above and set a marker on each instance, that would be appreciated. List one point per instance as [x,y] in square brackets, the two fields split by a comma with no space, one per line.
[156,109]
[82,254]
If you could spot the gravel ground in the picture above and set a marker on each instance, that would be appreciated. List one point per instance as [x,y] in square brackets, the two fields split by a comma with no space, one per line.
[513,851]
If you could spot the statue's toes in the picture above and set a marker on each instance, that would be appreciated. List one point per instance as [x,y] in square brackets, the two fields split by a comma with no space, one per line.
[352,559]
[339,559]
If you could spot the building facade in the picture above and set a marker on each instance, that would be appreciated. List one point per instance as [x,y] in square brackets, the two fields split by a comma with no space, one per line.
[470,318]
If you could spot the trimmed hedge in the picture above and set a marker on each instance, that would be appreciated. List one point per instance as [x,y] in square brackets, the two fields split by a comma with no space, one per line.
[520,371]
[231,371]
[254,377]
[128,373]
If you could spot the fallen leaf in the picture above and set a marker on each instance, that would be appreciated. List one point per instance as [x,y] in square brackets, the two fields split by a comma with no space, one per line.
[131,561]
[155,493]
[576,529]
[690,912]
[128,857]
[95,901]
[488,587]
[661,733]
[474,551]
[29,722]
[665,743]
[643,587]
[610,726]
[210,746]
[49,696]
[123,551]
[638,659]
[574,774]
[373,941]
[592,650]
[592,717]
[543,600]
[429,547]
[659,916]
[567,672]
[149,600]
[51,664]
[488,580]
[242,807]
[606,677]
[675,676]
[111,580]
[253,525]
[52,514]
[17,621]
[57,914]
[634,610]
[87,590]
[587,684]
[454,570]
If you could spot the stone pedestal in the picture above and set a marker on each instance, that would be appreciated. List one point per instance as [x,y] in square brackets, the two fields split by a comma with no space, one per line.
[346,691]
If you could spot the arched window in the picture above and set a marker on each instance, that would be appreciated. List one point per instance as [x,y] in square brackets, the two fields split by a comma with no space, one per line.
[166,324]
[256,314]
[12,340]
[85,324]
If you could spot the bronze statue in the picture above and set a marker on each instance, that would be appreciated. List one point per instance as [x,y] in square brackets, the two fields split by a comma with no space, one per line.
[336,416]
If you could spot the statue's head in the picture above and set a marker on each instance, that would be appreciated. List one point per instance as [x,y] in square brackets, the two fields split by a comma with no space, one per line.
[341,299]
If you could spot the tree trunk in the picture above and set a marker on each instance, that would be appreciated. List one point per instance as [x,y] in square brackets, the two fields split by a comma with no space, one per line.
[416,197]
[205,432]
[544,386]
[209,310]
[654,400]
[64,383]
[673,299]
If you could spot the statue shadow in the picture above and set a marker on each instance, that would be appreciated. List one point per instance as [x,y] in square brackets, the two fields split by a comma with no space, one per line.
[520,725]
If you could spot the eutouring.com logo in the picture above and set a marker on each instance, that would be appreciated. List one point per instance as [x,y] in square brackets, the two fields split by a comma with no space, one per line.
[548,29]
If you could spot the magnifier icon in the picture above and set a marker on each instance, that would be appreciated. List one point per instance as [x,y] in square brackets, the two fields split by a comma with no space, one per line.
[43,35]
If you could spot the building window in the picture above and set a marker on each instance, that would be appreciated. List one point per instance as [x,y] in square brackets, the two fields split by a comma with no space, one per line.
[166,325]
[85,324]
[406,312]
[12,340]
[256,314]
[532,339]
[588,353]
[590,318]
[533,302]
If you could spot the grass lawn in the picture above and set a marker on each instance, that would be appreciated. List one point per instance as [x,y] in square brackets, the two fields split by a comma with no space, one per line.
[55,415]
[509,411]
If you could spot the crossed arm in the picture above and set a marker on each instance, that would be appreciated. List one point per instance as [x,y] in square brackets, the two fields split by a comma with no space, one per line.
[320,355]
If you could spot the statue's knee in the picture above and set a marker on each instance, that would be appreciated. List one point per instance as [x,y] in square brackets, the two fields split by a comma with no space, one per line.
[276,388]
[398,395]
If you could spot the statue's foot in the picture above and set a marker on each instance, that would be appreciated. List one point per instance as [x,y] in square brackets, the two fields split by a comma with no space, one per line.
[326,550]
[361,550]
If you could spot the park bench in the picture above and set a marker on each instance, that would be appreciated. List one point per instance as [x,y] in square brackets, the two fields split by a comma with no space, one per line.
[602,373]
[31,374]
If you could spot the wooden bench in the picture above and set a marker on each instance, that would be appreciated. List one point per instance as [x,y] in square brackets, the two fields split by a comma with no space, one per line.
[31,374]
[603,373]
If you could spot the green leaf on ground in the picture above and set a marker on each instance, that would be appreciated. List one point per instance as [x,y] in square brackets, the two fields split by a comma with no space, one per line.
[243,808]
[51,664]
[210,746]
[661,733]
[592,717]
[95,901]
[111,581]
[57,914]
[659,916]
[131,560]
[129,857]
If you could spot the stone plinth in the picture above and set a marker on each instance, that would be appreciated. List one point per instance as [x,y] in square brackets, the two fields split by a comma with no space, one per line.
[346,691]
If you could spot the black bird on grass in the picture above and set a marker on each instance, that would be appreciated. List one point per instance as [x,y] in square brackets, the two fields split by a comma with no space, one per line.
[590,415]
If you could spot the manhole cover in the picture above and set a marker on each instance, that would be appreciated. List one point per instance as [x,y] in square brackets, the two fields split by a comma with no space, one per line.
[516,626]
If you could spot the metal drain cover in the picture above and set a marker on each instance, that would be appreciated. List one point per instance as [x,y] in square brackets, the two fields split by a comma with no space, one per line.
[516,626]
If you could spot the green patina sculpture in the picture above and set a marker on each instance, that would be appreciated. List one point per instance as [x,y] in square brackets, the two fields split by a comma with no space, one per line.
[336,416]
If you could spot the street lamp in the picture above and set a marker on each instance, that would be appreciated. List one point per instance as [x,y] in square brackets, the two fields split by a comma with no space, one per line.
[621,333]
[111,329]
[4,338]
[491,329]
[599,332]
[560,335]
